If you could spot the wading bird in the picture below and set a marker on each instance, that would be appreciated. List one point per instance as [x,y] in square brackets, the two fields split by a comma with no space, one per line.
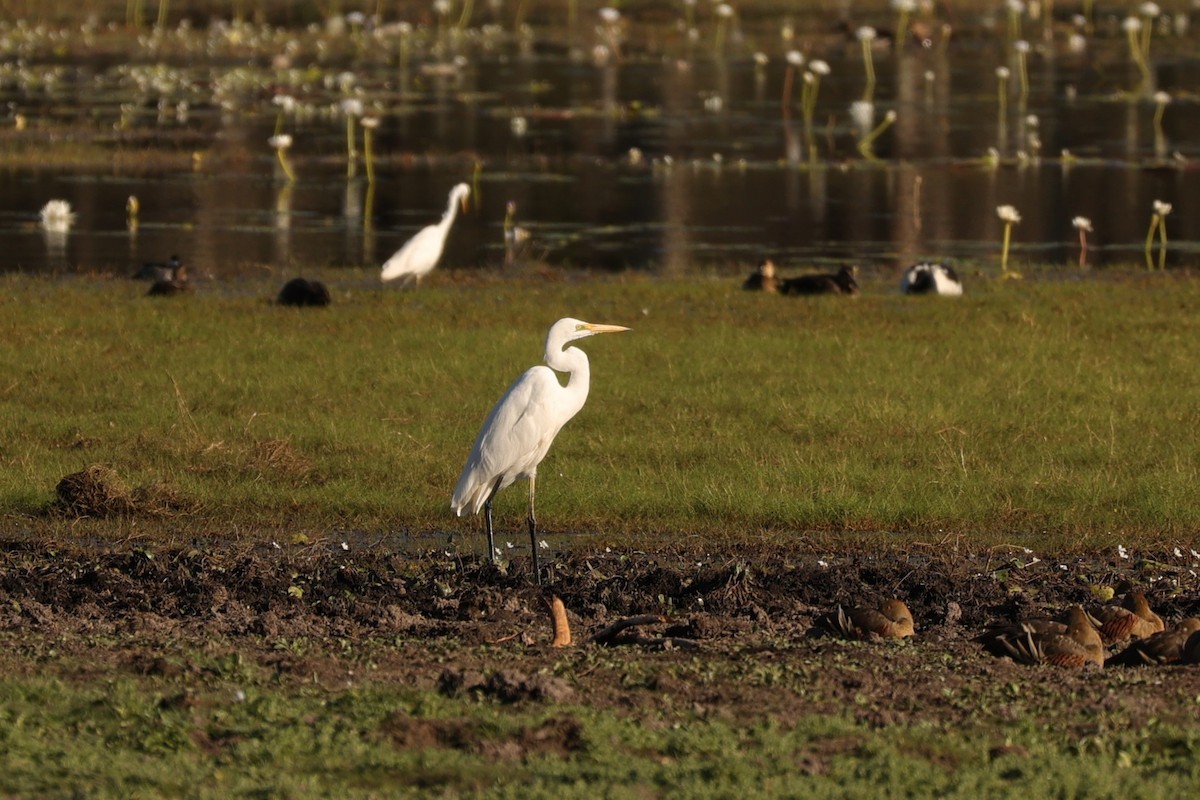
[518,432]
[420,254]
[929,278]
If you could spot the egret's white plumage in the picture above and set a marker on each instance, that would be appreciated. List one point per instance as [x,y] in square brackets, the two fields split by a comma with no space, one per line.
[929,278]
[518,432]
[420,254]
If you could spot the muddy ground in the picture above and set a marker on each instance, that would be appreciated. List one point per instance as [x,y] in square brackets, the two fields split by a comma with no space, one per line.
[741,638]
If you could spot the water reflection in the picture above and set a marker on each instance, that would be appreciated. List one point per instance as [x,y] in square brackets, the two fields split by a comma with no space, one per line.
[649,154]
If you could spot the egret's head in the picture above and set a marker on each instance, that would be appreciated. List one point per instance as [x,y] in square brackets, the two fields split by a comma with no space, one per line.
[569,329]
[462,192]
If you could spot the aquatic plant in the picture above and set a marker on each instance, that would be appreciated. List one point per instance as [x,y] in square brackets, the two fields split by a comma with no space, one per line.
[1021,48]
[369,124]
[1084,226]
[1161,101]
[132,206]
[281,142]
[866,35]
[903,9]
[1002,75]
[1133,27]
[1158,222]
[56,216]
[1009,216]
[1016,8]
[865,145]
[724,13]
[352,107]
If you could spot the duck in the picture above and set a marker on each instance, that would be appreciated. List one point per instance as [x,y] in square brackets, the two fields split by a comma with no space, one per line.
[1133,619]
[175,283]
[842,282]
[157,271]
[303,292]
[762,279]
[1167,647]
[931,278]
[888,620]
[1075,643]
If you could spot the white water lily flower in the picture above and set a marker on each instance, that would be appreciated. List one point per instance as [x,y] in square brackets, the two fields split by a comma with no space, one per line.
[1083,224]
[280,141]
[1161,208]
[1131,25]
[1149,10]
[818,67]
[1162,98]
[904,6]
[866,34]
[1002,73]
[725,11]
[1021,46]
[795,58]
[1008,214]
[610,16]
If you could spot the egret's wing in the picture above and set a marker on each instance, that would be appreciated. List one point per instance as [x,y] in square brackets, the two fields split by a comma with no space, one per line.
[514,438]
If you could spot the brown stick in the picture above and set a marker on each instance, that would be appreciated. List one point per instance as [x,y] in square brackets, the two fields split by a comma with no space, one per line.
[608,634]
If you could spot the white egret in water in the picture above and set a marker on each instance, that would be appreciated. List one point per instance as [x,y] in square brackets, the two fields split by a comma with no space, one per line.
[521,426]
[420,254]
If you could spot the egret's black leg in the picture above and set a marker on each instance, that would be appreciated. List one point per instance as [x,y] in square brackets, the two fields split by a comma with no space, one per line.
[533,543]
[487,521]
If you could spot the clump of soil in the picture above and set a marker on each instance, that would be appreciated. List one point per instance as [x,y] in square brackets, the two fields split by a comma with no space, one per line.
[99,491]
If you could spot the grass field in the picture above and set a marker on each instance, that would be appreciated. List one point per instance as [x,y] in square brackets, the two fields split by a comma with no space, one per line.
[731,442]
[1046,412]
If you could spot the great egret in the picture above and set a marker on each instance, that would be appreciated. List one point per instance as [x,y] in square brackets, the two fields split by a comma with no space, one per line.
[843,282]
[420,254]
[930,278]
[518,432]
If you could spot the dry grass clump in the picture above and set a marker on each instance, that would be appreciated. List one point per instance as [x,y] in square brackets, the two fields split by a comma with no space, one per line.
[99,491]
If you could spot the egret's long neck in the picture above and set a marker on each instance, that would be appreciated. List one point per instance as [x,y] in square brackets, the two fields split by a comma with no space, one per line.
[451,213]
[574,362]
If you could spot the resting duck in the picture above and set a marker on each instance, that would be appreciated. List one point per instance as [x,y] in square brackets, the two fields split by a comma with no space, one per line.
[843,282]
[303,292]
[763,279]
[930,278]
[174,283]
[156,271]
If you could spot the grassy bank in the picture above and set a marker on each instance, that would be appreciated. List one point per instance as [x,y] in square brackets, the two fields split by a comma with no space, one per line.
[1056,411]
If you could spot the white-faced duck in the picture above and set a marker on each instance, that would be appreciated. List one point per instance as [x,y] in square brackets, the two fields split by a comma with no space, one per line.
[931,278]
[303,292]
[841,282]
[176,283]
[158,271]
[763,279]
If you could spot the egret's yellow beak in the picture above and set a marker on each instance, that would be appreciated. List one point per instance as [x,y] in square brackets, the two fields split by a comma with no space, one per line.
[465,203]
[595,328]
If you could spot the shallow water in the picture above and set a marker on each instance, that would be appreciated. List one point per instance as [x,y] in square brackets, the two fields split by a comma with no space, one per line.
[723,176]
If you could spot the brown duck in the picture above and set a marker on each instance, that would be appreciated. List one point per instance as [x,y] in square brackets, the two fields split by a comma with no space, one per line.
[1161,648]
[891,620]
[763,279]
[1133,619]
[1075,643]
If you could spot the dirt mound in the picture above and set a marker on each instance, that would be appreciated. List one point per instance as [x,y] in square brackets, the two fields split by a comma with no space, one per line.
[99,491]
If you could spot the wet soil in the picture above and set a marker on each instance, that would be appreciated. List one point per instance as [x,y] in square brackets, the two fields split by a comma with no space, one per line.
[735,633]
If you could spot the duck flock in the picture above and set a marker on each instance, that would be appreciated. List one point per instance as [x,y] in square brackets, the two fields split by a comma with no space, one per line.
[1128,634]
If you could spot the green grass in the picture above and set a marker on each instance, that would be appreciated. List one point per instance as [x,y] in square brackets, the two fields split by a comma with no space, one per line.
[1029,412]
[233,732]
